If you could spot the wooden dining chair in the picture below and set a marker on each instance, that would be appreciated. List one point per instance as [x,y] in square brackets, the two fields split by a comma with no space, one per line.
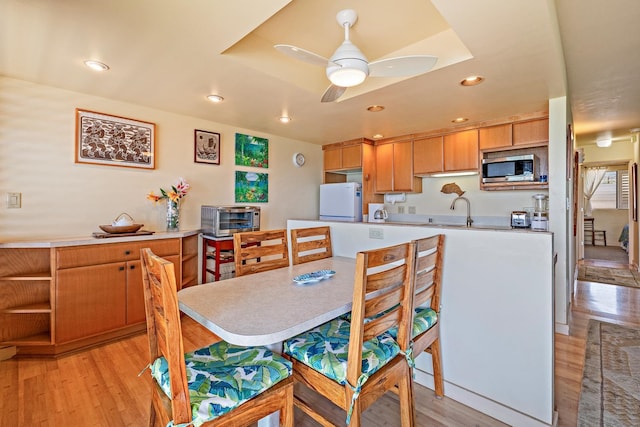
[257,251]
[426,302]
[310,244]
[354,363]
[218,385]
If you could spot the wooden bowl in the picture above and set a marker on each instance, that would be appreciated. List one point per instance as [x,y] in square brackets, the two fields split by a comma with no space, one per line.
[117,229]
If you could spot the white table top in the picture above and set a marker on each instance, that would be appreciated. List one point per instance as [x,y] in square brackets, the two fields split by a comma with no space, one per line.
[269,307]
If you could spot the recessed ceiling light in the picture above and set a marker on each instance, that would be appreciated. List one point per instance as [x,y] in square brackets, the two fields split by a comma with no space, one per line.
[378,136]
[459,120]
[472,81]
[375,108]
[215,98]
[96,65]
[285,119]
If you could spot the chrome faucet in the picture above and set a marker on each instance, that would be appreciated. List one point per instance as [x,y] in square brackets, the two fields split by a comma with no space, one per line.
[453,206]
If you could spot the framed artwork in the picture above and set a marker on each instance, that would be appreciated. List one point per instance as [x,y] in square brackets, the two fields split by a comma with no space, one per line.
[103,139]
[252,187]
[252,151]
[206,147]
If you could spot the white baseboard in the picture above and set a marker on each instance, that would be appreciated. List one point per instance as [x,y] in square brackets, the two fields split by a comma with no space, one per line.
[482,404]
[562,328]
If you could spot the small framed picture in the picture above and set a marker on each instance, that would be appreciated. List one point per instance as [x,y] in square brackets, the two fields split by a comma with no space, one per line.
[206,147]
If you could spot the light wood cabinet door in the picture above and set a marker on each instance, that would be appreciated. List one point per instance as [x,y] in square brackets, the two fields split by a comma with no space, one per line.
[332,159]
[352,157]
[531,132]
[90,300]
[403,166]
[427,155]
[135,292]
[461,151]
[384,168]
[495,136]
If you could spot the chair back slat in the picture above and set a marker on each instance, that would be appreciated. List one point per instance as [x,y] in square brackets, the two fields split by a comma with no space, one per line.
[256,251]
[164,330]
[428,271]
[310,244]
[383,280]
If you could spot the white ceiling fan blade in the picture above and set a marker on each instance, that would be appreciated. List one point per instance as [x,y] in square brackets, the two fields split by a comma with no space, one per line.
[332,93]
[402,66]
[302,54]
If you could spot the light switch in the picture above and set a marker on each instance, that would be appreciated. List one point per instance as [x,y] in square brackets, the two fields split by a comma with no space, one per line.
[14,200]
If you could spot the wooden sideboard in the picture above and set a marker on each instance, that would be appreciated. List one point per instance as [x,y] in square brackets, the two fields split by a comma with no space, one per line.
[61,296]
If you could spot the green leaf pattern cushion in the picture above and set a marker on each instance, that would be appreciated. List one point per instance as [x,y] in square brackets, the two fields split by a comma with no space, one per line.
[423,319]
[325,349]
[222,376]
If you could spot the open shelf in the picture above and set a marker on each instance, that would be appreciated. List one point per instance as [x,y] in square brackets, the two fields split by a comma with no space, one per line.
[37,339]
[43,307]
[45,275]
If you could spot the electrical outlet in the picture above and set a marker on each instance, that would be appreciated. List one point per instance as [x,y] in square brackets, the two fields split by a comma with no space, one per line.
[376,233]
[412,209]
[400,209]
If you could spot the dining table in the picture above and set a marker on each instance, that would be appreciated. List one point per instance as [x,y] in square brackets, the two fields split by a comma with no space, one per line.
[272,306]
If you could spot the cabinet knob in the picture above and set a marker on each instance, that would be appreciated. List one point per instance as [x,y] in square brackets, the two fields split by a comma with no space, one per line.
[127,252]
[132,267]
[121,268]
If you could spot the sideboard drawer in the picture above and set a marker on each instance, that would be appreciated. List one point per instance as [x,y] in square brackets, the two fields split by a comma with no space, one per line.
[77,256]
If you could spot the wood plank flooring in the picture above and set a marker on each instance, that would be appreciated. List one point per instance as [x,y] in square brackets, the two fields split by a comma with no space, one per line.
[101,387]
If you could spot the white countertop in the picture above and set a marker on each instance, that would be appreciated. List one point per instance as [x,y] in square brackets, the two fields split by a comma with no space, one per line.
[89,240]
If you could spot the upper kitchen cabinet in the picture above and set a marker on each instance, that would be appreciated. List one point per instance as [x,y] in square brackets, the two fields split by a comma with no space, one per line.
[394,167]
[496,136]
[519,134]
[427,155]
[354,159]
[343,155]
[460,151]
[532,132]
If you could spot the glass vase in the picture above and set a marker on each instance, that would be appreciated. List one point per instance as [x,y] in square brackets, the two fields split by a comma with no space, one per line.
[173,215]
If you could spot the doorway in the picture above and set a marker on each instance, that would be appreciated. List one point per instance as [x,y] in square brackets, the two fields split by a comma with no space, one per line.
[605,215]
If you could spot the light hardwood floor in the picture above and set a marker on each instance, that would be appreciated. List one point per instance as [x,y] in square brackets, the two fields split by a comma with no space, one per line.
[101,387]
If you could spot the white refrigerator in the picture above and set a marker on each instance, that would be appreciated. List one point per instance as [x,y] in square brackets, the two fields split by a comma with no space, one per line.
[341,202]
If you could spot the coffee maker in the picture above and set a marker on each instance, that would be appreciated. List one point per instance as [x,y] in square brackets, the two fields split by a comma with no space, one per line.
[377,212]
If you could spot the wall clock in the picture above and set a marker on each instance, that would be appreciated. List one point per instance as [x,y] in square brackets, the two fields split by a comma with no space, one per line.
[298,159]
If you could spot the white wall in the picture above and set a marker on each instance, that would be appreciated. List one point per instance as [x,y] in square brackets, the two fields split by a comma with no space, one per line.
[61,198]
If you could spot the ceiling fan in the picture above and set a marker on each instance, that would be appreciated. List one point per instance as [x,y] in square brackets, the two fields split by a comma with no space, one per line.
[349,67]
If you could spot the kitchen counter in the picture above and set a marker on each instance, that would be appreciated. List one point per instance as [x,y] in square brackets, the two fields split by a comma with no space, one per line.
[89,240]
[497,324]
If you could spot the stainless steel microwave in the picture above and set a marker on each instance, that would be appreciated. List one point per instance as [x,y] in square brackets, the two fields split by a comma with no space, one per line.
[224,221]
[510,169]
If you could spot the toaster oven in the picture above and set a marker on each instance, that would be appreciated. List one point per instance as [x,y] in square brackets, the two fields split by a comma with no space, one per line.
[224,221]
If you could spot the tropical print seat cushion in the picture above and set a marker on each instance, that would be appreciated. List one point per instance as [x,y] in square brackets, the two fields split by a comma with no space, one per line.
[423,319]
[325,349]
[222,376]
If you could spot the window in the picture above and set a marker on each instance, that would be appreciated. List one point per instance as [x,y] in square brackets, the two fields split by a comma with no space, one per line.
[613,191]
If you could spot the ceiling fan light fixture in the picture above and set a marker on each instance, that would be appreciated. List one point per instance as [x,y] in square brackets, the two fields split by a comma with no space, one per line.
[603,143]
[347,77]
